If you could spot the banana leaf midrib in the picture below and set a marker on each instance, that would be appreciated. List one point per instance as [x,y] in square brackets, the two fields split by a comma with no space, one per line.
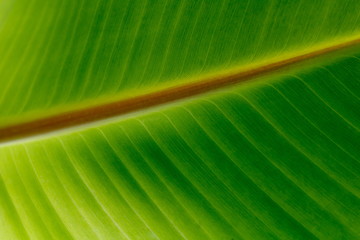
[167,95]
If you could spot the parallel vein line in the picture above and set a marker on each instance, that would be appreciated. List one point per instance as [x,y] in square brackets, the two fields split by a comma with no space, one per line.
[325,135]
[301,150]
[283,170]
[234,193]
[117,190]
[159,179]
[327,104]
[46,204]
[92,193]
[70,200]
[243,172]
[195,188]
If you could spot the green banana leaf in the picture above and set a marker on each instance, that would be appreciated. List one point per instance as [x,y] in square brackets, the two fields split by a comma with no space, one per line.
[273,157]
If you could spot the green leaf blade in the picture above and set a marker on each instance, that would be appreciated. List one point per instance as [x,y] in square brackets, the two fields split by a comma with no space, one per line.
[275,158]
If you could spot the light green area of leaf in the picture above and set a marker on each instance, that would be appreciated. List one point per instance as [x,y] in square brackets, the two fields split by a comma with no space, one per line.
[279,159]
